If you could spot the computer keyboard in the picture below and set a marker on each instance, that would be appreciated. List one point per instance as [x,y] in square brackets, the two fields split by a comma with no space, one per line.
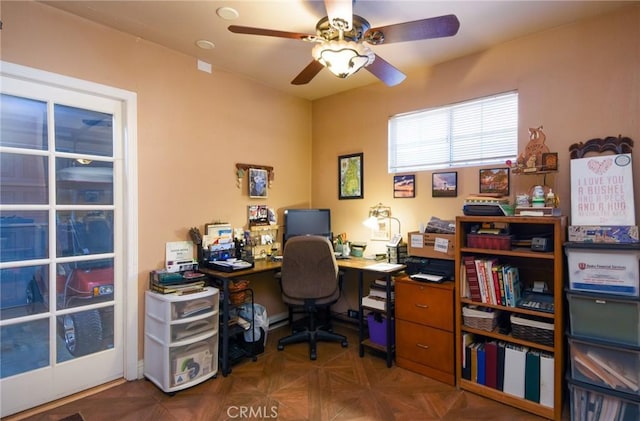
[427,277]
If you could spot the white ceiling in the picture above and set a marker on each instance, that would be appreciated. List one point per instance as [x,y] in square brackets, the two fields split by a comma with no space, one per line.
[276,61]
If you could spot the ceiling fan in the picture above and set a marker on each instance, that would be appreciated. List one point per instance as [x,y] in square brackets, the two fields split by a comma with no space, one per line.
[340,41]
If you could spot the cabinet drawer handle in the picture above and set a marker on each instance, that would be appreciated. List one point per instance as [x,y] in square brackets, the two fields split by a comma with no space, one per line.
[422,346]
[422,306]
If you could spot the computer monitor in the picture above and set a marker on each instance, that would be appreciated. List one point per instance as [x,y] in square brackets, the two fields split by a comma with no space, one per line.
[307,222]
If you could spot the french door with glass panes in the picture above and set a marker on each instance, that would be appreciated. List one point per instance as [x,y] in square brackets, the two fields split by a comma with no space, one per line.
[60,256]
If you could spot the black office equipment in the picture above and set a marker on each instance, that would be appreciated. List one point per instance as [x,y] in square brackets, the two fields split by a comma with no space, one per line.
[307,222]
[430,270]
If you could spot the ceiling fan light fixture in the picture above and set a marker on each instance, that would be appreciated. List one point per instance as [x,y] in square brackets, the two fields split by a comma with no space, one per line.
[343,58]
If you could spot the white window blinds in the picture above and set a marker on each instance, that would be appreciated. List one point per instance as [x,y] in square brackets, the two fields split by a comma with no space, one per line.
[478,132]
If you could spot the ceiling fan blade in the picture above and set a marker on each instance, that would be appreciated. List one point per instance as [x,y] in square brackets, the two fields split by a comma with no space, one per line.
[386,72]
[340,13]
[308,73]
[441,26]
[271,33]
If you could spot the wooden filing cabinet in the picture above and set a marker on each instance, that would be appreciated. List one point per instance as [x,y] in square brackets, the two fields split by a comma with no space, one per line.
[424,328]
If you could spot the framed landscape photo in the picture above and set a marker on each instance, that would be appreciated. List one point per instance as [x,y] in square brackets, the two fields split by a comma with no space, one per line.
[350,182]
[444,184]
[258,179]
[404,186]
[494,181]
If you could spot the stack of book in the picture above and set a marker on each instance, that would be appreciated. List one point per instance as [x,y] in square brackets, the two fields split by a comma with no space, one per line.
[377,298]
[489,281]
[179,283]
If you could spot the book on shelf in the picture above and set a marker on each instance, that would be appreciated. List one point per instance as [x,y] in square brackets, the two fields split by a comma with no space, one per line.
[482,282]
[472,278]
[491,285]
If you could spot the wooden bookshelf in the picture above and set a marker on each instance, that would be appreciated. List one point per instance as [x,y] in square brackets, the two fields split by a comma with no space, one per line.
[545,266]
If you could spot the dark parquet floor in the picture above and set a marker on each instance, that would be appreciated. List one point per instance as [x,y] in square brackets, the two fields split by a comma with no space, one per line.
[287,386]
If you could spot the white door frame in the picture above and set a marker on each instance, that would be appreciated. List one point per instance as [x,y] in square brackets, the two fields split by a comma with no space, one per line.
[129,101]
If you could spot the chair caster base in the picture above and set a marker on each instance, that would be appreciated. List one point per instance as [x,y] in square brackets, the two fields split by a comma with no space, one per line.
[344,344]
[280,347]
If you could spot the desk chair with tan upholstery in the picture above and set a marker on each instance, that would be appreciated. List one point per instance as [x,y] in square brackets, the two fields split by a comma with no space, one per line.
[309,278]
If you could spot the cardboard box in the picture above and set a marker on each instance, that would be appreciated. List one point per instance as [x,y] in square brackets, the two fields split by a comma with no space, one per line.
[424,245]
[604,234]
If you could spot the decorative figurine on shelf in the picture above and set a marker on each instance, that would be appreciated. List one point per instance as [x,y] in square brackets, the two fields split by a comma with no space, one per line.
[536,146]
[531,163]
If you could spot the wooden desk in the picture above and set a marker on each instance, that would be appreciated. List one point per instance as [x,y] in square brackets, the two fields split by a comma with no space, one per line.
[360,265]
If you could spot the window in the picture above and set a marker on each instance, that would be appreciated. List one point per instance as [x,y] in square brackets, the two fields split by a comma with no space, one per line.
[478,132]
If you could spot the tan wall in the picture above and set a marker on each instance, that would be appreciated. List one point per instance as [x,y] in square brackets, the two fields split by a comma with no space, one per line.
[579,81]
[193,127]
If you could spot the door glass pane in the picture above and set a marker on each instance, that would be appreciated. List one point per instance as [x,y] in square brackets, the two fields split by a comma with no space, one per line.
[23,235]
[84,184]
[84,332]
[23,179]
[84,232]
[23,122]
[23,291]
[25,347]
[84,283]
[83,131]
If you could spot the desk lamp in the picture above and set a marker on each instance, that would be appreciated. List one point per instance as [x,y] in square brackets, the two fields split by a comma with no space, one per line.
[379,212]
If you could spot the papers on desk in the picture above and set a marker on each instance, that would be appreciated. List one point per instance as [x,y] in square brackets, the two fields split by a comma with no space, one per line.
[384,267]
[231,265]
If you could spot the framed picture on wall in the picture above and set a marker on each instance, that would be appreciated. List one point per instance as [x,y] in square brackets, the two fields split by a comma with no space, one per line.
[404,186]
[258,179]
[350,182]
[494,181]
[444,184]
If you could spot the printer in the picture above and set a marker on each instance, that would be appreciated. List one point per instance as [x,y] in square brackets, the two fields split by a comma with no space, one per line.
[426,269]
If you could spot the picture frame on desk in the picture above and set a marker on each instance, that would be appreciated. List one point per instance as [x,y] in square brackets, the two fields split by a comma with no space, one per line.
[404,186]
[350,176]
[444,184]
[494,181]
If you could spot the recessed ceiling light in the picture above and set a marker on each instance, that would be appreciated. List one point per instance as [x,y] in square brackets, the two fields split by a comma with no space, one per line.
[227,13]
[205,45]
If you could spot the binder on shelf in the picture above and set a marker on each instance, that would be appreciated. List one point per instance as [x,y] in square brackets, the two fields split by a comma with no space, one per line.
[514,366]
[500,366]
[546,379]
[491,364]
[482,366]
[532,376]
[474,362]
[467,339]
